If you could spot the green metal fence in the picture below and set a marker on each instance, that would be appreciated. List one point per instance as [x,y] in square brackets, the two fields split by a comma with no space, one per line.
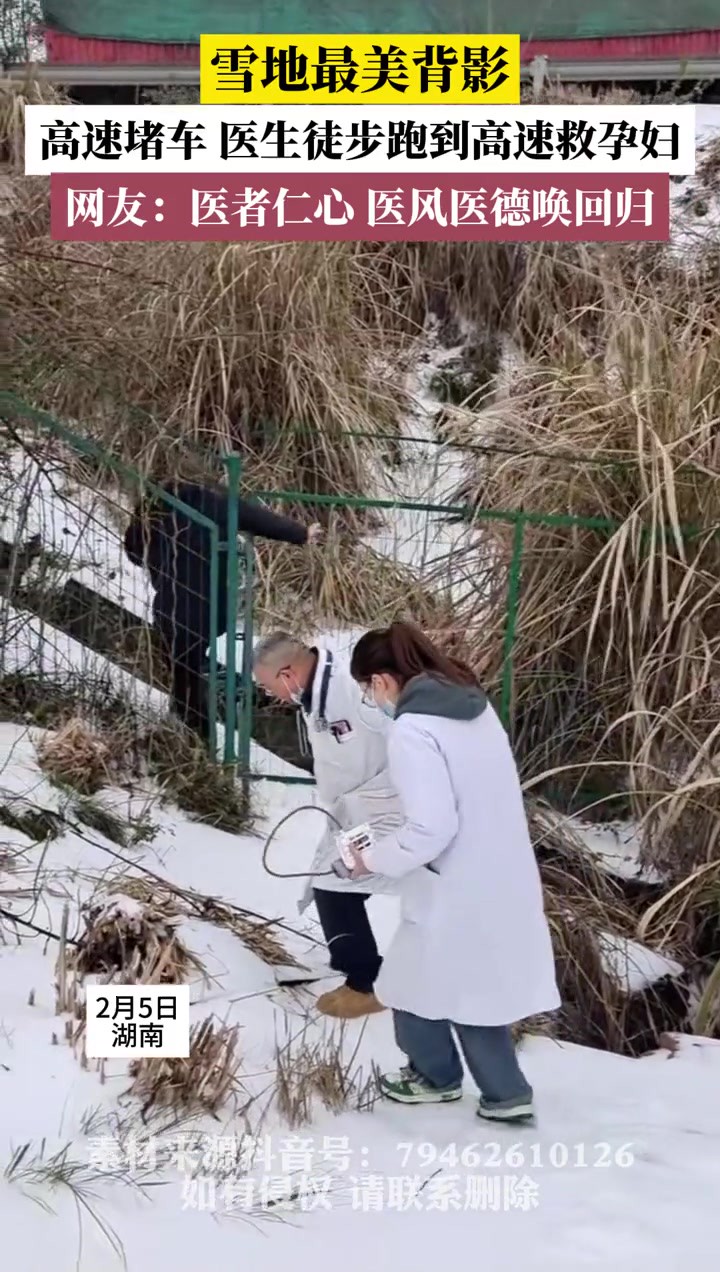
[25,429]
[517,519]
[230,687]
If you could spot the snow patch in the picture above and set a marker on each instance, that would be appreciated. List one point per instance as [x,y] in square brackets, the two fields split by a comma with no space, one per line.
[634,966]
[695,205]
[429,473]
[117,907]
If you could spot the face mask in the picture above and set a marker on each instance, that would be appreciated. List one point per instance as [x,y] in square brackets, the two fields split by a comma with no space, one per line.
[296,694]
[387,708]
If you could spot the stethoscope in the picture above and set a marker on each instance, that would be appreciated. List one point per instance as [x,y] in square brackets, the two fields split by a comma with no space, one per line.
[319,722]
[319,719]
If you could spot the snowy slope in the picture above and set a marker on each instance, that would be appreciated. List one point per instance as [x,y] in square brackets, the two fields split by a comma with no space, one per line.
[76,524]
[623,1165]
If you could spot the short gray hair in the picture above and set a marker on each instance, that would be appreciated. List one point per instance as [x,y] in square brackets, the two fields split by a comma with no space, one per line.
[278,649]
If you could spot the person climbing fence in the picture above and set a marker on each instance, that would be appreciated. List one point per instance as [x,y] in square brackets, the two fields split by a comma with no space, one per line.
[176,549]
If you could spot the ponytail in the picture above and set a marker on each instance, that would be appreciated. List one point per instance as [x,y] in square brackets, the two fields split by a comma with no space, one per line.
[403,651]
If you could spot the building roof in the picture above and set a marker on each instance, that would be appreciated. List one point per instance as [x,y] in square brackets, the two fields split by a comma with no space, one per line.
[183,21]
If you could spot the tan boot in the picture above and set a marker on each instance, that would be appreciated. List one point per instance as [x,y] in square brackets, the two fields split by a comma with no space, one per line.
[326,1000]
[348,1004]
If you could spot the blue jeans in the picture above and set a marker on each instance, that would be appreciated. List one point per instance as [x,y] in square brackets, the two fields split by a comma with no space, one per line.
[489,1052]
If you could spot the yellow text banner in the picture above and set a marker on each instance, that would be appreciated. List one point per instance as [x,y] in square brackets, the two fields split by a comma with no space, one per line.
[348,70]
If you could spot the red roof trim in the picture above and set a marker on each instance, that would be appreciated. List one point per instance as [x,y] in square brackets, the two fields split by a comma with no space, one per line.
[75,51]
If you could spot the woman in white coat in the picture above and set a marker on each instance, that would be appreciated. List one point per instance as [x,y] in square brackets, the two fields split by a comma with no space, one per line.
[473,953]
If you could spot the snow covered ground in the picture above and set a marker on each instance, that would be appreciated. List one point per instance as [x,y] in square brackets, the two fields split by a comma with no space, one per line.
[81,529]
[429,474]
[695,204]
[623,1166]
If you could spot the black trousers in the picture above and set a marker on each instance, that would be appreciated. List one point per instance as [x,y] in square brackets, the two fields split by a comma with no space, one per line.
[189,687]
[346,927]
[182,616]
[188,662]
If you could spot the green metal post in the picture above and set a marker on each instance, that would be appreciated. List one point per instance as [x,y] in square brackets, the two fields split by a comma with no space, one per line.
[513,598]
[213,676]
[233,466]
[246,718]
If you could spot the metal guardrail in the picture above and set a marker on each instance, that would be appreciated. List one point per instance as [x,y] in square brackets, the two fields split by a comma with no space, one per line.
[158,76]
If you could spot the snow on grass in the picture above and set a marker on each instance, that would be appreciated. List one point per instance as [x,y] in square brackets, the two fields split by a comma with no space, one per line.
[695,204]
[32,647]
[634,965]
[622,1167]
[76,525]
[615,847]
[428,473]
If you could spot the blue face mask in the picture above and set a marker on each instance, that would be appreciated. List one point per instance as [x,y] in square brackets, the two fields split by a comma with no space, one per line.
[387,708]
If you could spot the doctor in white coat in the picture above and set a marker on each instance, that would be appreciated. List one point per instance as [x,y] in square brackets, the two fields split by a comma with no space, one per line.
[349,749]
[473,953]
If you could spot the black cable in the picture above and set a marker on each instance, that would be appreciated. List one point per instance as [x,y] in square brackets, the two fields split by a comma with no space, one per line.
[303,808]
[41,931]
[301,874]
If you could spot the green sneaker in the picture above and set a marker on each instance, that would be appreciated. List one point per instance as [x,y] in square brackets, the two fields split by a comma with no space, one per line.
[520,1110]
[408,1087]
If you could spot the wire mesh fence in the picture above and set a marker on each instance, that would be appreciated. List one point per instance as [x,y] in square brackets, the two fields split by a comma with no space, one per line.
[116,590]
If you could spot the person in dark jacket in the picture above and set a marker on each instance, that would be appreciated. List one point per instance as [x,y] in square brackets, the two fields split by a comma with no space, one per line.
[176,550]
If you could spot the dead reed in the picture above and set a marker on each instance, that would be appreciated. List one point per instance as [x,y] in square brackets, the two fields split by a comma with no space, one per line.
[202,1083]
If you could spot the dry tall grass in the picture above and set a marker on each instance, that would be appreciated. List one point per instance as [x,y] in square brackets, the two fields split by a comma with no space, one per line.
[312,1068]
[138,942]
[204,1082]
[77,755]
[614,416]
[178,351]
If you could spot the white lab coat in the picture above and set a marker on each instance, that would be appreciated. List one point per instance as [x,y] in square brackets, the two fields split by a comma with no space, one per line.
[473,945]
[351,774]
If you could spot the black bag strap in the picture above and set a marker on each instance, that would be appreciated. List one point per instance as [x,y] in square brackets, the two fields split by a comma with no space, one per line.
[324,686]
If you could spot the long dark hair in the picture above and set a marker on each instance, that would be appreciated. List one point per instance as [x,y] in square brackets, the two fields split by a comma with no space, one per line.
[403,651]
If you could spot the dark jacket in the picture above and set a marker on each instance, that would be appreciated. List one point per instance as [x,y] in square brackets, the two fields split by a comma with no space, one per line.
[176,550]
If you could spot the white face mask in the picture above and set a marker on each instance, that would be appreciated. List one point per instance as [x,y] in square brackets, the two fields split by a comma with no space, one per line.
[296,694]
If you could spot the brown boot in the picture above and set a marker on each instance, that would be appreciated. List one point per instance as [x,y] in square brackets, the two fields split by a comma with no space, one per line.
[348,1004]
[327,1000]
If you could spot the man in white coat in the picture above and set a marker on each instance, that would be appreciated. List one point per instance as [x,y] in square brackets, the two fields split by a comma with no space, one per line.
[349,749]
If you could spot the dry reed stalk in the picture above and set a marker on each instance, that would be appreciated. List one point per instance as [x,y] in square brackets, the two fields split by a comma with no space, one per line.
[13,100]
[254,931]
[133,943]
[309,1068]
[586,907]
[348,584]
[271,349]
[77,755]
[203,1083]
[679,916]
